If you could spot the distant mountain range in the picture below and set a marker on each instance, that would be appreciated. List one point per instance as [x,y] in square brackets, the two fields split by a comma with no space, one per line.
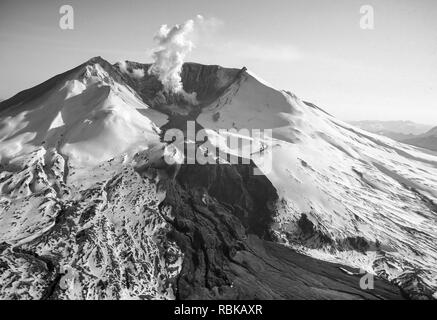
[428,140]
[416,134]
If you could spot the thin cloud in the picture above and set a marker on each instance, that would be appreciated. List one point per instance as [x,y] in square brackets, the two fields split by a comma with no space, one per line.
[276,53]
[242,50]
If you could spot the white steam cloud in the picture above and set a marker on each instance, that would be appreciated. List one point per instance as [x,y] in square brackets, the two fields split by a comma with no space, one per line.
[135,73]
[168,58]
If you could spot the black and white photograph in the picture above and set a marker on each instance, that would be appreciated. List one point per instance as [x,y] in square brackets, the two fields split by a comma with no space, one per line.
[213,151]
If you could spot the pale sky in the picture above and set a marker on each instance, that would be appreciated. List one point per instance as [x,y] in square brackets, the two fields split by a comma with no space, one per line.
[313,48]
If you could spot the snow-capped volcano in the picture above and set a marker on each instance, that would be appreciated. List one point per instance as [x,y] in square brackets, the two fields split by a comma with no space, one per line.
[89,208]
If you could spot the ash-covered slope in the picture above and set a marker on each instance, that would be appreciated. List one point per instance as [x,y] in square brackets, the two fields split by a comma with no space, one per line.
[222,216]
[89,209]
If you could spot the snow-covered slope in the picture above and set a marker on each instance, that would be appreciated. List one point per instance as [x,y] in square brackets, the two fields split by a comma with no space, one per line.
[89,209]
[76,218]
[88,116]
[346,195]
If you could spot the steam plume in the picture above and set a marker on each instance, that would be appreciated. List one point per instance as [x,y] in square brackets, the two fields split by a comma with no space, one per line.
[134,73]
[173,45]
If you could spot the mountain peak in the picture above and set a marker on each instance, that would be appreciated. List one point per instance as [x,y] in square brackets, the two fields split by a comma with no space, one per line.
[96,59]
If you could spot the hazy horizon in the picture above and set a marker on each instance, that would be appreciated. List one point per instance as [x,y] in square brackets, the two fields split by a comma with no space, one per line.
[314,49]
